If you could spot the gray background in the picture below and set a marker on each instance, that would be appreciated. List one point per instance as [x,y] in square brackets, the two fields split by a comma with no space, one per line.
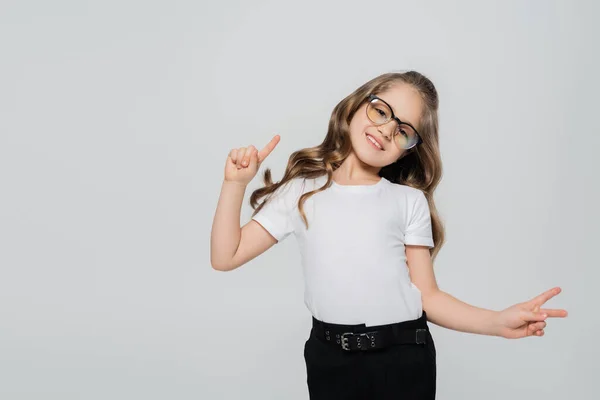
[116,118]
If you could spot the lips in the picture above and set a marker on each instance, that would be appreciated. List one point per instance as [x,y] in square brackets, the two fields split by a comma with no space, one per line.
[374,138]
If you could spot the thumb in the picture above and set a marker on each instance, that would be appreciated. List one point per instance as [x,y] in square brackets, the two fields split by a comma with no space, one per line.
[535,316]
[254,159]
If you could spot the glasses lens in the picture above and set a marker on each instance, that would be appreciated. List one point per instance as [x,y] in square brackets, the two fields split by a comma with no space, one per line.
[378,112]
[405,137]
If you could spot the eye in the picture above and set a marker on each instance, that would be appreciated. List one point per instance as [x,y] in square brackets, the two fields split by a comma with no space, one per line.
[400,131]
[381,112]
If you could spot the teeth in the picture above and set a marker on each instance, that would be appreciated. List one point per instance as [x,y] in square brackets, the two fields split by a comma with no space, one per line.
[374,141]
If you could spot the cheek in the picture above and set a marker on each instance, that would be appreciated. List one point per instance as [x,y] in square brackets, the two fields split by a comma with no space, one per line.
[358,126]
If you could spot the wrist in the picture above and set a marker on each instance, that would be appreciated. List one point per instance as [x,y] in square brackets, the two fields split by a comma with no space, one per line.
[237,184]
[495,327]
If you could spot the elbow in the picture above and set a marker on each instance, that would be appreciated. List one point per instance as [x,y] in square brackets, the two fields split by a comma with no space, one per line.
[223,266]
[218,265]
[428,297]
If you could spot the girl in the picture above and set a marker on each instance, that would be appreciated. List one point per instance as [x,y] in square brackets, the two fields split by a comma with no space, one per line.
[362,209]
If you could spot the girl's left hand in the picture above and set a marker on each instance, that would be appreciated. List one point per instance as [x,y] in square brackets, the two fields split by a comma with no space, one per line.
[527,319]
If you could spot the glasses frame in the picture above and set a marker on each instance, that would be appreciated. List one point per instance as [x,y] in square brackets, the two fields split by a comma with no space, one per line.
[374,97]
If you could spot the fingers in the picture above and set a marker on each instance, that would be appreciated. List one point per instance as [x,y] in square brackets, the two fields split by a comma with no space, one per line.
[555,312]
[253,159]
[536,333]
[533,328]
[237,155]
[547,295]
[241,156]
[534,316]
[536,326]
[233,155]
[246,159]
[268,148]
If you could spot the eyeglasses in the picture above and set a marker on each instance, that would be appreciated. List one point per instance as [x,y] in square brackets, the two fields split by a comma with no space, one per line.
[380,113]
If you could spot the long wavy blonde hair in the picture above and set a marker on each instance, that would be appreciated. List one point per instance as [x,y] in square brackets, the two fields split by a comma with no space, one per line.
[419,167]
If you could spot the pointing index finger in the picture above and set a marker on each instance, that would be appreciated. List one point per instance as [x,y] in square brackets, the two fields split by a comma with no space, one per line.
[268,148]
[547,295]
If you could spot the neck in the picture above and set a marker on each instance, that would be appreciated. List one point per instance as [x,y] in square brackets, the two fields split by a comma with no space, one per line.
[353,170]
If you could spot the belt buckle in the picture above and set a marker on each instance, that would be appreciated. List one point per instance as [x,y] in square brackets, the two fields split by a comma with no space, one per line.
[366,335]
[345,345]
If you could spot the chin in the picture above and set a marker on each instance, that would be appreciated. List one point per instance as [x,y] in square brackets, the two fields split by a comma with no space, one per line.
[372,159]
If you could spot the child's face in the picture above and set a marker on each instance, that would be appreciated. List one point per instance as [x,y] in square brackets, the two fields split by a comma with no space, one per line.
[406,104]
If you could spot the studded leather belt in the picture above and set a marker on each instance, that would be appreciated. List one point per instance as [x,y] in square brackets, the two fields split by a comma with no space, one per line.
[363,338]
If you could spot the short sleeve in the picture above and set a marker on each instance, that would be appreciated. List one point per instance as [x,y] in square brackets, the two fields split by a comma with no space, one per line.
[418,231]
[277,215]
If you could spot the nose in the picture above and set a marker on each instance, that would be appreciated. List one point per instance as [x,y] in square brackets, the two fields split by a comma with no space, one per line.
[386,132]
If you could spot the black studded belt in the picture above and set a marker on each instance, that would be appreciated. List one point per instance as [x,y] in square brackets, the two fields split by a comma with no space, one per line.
[363,338]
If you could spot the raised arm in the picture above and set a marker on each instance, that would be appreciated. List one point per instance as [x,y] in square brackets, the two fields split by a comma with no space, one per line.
[231,246]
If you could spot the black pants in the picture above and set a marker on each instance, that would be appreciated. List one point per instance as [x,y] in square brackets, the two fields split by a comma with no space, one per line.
[402,371]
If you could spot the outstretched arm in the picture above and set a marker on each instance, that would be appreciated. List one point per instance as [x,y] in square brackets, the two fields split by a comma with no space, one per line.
[520,320]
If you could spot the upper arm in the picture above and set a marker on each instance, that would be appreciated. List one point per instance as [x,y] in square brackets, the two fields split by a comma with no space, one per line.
[270,225]
[254,241]
[420,267]
[417,242]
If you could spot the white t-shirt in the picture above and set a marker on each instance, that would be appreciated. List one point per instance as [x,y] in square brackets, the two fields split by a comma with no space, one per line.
[352,253]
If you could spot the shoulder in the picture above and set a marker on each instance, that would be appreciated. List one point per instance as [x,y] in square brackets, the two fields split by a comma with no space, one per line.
[409,199]
[406,191]
[298,184]
[290,187]
[306,184]
[291,190]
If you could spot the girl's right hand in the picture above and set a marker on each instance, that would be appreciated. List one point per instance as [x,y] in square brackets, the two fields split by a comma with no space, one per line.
[243,163]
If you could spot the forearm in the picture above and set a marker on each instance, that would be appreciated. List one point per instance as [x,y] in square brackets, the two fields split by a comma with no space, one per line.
[449,312]
[226,230]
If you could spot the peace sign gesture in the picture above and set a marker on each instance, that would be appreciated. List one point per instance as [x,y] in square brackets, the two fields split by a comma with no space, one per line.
[528,318]
[243,163]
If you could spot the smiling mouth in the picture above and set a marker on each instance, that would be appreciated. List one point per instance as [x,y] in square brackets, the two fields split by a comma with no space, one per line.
[373,142]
